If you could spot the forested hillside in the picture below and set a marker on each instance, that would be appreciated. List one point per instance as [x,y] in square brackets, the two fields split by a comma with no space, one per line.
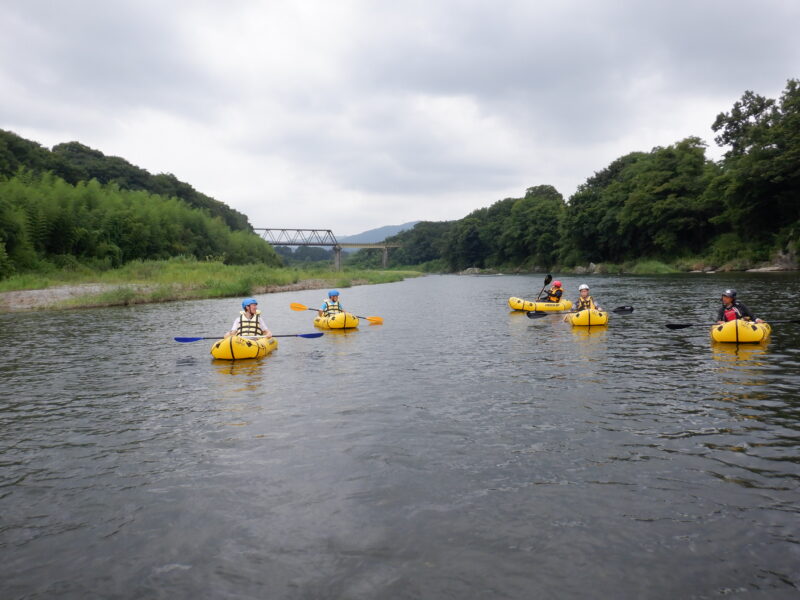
[671,204]
[74,162]
[75,207]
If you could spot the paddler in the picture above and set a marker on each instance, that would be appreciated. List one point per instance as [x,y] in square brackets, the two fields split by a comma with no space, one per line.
[331,305]
[554,293]
[733,309]
[249,322]
[584,300]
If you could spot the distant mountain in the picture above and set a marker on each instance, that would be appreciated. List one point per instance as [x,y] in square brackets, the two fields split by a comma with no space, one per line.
[376,235]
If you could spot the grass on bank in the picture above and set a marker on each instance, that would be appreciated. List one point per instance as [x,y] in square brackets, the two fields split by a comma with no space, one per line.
[186,278]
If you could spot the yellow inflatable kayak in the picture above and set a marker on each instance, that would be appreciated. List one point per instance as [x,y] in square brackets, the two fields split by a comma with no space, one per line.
[239,348]
[342,320]
[588,317]
[740,332]
[527,305]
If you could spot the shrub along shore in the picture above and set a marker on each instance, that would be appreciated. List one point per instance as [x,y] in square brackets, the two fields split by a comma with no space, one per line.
[141,282]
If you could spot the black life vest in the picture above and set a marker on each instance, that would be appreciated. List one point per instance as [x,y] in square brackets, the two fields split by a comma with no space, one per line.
[248,326]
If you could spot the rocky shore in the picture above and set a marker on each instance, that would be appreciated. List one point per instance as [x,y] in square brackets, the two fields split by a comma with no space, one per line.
[64,296]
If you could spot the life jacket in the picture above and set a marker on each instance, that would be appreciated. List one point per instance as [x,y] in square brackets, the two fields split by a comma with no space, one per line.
[248,326]
[584,303]
[732,313]
[551,294]
[331,308]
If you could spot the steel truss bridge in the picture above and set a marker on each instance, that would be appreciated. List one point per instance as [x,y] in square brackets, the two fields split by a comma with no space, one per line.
[319,237]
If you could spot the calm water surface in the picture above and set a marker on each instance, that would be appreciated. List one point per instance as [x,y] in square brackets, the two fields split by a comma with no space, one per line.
[457,451]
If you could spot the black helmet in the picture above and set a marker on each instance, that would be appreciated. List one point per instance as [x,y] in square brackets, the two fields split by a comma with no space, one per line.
[730,293]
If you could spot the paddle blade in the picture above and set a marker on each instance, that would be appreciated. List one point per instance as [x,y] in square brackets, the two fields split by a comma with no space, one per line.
[298,306]
[186,340]
[374,320]
[623,310]
[535,314]
[548,279]
[310,335]
[679,325]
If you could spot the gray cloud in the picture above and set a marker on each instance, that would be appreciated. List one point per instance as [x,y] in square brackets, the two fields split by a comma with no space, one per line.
[384,99]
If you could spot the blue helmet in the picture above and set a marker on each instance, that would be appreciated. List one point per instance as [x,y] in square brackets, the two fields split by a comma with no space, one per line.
[333,293]
[248,301]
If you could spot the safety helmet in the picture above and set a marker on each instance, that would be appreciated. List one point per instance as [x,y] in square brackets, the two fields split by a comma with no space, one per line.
[557,283]
[248,301]
[333,293]
[583,286]
[730,293]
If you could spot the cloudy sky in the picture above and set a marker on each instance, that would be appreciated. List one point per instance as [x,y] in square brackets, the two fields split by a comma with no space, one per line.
[356,114]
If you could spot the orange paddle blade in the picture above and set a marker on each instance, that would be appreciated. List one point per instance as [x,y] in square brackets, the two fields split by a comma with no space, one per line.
[375,320]
[298,306]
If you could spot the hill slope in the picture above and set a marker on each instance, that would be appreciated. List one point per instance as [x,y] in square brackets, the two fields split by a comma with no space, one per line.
[74,162]
[376,235]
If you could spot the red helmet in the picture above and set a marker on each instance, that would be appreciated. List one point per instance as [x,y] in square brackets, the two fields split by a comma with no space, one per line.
[557,283]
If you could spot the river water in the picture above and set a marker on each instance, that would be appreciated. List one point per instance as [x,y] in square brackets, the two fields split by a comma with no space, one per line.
[457,451]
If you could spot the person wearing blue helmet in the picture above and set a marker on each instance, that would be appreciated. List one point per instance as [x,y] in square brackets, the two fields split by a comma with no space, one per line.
[249,322]
[331,305]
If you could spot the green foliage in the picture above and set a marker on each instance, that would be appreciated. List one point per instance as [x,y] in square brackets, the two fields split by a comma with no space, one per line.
[760,181]
[74,163]
[531,229]
[46,222]
[304,255]
[652,267]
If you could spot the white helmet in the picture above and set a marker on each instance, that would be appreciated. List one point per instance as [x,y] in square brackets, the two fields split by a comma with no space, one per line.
[583,286]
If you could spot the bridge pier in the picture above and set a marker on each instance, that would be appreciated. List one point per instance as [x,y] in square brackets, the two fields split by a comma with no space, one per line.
[385,257]
[337,258]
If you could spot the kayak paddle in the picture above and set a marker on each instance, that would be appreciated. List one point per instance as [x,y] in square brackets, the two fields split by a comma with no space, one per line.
[373,320]
[186,340]
[685,325]
[538,314]
[623,310]
[547,280]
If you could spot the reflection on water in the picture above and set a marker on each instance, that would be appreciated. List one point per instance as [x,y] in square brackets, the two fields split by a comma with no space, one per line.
[460,451]
[734,353]
[591,334]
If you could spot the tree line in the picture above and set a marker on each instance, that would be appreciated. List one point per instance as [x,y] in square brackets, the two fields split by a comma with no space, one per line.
[46,222]
[73,162]
[668,204]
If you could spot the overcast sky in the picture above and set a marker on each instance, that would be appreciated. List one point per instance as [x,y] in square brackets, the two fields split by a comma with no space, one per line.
[351,115]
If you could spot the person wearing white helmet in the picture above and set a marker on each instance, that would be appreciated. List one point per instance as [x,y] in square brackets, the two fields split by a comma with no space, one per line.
[249,322]
[733,309]
[584,300]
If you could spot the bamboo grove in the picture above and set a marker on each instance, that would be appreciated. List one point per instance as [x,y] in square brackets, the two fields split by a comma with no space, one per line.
[671,204]
[47,221]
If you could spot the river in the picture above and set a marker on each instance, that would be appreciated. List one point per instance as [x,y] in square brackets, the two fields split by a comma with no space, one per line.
[456,451]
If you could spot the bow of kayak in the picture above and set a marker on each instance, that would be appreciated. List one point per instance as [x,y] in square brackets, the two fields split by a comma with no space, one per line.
[240,348]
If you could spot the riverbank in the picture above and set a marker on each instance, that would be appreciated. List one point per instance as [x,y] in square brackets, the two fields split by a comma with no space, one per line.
[172,280]
[783,262]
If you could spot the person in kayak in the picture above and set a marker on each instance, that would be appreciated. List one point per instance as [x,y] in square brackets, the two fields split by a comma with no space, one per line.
[331,305]
[584,300]
[732,309]
[554,293]
[249,322]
